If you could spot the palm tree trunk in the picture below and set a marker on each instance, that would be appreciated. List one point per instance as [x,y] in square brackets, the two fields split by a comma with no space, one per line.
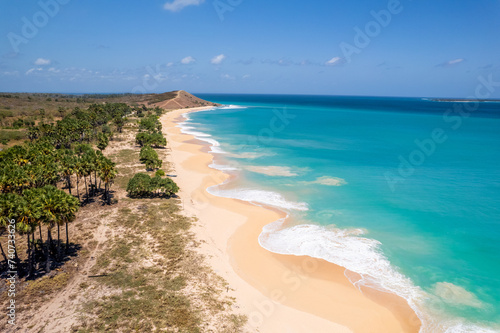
[47,250]
[33,253]
[68,180]
[30,250]
[86,188]
[3,254]
[95,180]
[40,230]
[67,237]
[77,189]
[16,258]
[90,183]
[58,242]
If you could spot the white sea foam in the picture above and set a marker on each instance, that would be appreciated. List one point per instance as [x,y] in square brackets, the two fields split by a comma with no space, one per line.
[214,144]
[343,247]
[258,197]
[251,155]
[272,170]
[226,107]
[457,295]
[223,167]
[327,181]
[469,328]
[347,248]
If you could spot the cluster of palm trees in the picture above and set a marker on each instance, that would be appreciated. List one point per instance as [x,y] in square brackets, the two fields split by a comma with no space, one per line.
[143,185]
[150,132]
[46,206]
[149,136]
[82,126]
[34,177]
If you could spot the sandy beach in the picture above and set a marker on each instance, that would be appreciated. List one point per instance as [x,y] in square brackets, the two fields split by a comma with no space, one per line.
[278,293]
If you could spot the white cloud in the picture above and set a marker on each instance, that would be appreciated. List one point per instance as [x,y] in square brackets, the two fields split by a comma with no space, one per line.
[14,73]
[246,76]
[456,61]
[178,5]
[31,70]
[188,60]
[42,62]
[451,62]
[227,77]
[217,60]
[333,61]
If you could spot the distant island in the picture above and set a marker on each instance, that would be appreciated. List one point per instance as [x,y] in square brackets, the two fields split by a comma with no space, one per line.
[463,100]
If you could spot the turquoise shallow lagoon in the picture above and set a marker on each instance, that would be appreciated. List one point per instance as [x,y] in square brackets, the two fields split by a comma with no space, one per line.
[405,192]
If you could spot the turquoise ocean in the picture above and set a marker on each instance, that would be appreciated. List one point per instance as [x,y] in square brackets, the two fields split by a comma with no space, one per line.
[403,191]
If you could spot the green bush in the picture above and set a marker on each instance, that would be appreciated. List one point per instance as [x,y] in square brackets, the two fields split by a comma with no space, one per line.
[6,113]
[142,185]
[139,186]
[18,124]
[12,135]
[149,157]
[147,139]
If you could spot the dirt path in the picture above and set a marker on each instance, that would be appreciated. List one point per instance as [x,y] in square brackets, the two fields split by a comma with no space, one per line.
[61,309]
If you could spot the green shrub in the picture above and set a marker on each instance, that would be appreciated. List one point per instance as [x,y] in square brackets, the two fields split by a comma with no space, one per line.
[142,185]
[139,186]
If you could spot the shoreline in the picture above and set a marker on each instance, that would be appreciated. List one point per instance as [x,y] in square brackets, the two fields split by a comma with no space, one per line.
[276,292]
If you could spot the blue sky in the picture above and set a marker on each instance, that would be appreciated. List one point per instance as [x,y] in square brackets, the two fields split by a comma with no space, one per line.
[333,47]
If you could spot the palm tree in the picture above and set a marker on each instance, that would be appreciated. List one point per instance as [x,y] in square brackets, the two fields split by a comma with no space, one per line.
[79,173]
[2,231]
[49,202]
[33,215]
[12,207]
[67,210]
[68,167]
[107,173]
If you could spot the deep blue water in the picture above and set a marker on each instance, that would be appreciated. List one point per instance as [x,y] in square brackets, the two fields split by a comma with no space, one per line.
[404,191]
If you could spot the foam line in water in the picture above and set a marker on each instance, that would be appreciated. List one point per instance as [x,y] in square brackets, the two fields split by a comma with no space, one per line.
[223,167]
[227,107]
[214,144]
[259,197]
[347,248]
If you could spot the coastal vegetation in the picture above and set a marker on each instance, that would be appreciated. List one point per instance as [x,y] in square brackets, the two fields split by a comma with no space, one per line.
[35,175]
[102,257]
[149,136]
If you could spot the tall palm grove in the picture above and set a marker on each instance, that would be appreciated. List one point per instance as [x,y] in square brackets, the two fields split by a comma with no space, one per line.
[37,179]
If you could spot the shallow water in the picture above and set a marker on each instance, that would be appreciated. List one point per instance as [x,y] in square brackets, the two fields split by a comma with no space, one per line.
[405,192]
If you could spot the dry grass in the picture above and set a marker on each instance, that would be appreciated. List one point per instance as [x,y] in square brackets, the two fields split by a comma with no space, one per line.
[138,269]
